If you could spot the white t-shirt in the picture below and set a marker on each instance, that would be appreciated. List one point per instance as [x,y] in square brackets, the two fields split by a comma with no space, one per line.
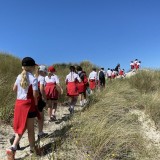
[109,73]
[131,64]
[41,80]
[22,93]
[72,76]
[50,79]
[93,75]
[56,78]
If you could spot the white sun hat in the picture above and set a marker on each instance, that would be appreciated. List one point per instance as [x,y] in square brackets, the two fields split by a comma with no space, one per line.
[42,68]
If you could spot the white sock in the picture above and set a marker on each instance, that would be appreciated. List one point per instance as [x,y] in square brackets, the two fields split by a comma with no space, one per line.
[84,101]
[81,103]
[14,147]
[72,107]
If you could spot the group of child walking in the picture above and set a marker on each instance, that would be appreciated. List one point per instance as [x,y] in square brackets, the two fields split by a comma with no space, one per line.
[37,87]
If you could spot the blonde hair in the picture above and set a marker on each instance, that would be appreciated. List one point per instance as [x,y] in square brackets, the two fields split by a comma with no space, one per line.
[24,78]
[36,72]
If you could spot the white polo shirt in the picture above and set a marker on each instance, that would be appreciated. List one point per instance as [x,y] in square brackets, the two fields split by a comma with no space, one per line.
[72,76]
[41,80]
[50,79]
[56,78]
[22,93]
[93,75]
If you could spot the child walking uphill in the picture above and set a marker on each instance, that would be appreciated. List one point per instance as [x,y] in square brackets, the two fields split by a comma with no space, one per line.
[82,86]
[93,78]
[52,82]
[72,91]
[42,71]
[25,110]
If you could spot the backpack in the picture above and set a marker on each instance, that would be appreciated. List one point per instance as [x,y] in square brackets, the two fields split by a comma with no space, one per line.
[83,77]
[101,75]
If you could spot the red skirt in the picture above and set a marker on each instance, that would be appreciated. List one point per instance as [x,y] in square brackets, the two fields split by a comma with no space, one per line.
[81,87]
[92,84]
[72,89]
[51,91]
[132,66]
[22,107]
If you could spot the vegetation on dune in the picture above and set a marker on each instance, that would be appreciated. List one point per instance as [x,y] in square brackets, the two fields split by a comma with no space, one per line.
[108,130]
[105,129]
[9,69]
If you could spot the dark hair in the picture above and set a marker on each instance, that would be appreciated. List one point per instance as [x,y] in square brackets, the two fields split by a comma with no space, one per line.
[79,68]
[72,68]
[94,69]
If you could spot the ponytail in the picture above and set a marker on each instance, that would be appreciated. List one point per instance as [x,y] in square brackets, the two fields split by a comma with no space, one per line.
[24,80]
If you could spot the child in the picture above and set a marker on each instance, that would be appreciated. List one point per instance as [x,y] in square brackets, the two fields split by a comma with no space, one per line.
[25,111]
[102,78]
[42,71]
[52,93]
[109,73]
[132,65]
[61,92]
[72,91]
[82,85]
[93,80]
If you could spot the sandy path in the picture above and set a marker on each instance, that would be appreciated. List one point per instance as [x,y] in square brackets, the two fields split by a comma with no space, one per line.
[6,132]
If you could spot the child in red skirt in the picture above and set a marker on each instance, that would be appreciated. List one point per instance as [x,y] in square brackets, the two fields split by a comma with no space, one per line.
[25,110]
[82,86]
[52,94]
[93,79]
[72,90]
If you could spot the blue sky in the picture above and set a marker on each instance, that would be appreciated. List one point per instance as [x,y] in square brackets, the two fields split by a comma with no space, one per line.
[105,32]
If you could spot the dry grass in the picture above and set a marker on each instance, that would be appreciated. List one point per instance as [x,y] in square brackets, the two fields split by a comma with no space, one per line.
[9,69]
[105,129]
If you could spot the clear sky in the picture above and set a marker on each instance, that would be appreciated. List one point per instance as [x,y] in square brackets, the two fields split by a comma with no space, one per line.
[105,32]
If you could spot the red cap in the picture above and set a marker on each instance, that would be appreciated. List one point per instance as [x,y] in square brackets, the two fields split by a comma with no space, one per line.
[51,69]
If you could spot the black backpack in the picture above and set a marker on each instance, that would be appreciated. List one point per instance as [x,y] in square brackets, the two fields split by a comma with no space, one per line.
[101,75]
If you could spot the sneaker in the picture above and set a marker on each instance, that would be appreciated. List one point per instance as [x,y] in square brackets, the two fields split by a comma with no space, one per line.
[11,142]
[10,153]
[53,117]
[71,110]
[42,135]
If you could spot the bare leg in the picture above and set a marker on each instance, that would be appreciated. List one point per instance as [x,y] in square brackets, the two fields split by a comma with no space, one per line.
[49,105]
[41,122]
[54,107]
[31,135]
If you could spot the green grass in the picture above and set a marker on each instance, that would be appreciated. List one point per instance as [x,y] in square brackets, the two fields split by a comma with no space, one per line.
[105,129]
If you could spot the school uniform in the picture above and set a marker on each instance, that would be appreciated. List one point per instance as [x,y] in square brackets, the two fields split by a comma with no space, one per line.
[82,84]
[135,64]
[50,88]
[113,74]
[121,72]
[71,81]
[109,73]
[25,103]
[92,80]
[132,65]
[138,65]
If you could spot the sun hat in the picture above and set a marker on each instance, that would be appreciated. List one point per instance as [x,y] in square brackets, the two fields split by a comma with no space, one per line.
[28,61]
[42,68]
[51,69]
